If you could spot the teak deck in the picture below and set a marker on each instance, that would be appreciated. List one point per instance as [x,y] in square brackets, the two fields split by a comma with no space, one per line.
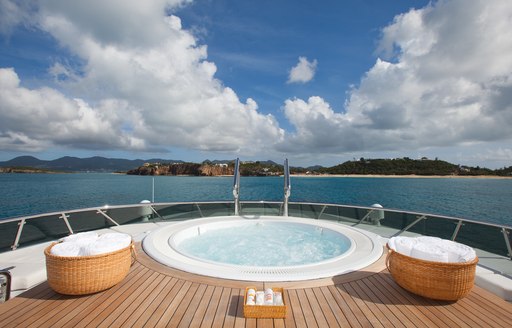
[156,296]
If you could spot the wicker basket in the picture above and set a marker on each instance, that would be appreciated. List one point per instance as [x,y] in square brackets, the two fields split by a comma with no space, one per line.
[80,275]
[435,280]
[265,311]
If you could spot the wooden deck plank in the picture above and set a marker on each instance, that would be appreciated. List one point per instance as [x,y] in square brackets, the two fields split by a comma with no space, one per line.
[496,313]
[439,318]
[222,308]
[133,310]
[239,319]
[204,303]
[183,305]
[170,307]
[116,308]
[191,309]
[335,308]
[379,302]
[413,315]
[231,315]
[289,321]
[143,312]
[104,299]
[12,306]
[348,306]
[214,303]
[330,318]
[386,317]
[72,315]
[162,305]
[368,309]
[12,317]
[306,308]
[315,307]
[153,296]
[296,311]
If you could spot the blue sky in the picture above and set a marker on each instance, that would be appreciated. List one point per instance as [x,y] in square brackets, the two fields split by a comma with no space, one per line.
[316,82]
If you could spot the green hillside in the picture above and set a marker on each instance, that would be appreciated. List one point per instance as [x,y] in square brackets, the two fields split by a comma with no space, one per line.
[407,166]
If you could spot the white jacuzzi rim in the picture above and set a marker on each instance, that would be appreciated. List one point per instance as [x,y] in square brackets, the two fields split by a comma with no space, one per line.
[366,248]
[224,224]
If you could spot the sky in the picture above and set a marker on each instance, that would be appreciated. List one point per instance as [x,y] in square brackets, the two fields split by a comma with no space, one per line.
[317,82]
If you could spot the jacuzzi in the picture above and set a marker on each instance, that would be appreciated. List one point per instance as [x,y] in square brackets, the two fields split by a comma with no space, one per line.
[263,248]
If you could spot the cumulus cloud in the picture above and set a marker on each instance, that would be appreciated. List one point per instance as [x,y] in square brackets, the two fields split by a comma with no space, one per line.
[444,79]
[141,82]
[303,72]
[33,119]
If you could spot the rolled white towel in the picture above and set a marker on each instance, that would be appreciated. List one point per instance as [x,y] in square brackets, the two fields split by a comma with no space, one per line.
[428,252]
[429,240]
[404,245]
[102,247]
[391,243]
[458,252]
[65,249]
[116,237]
[81,236]
[260,297]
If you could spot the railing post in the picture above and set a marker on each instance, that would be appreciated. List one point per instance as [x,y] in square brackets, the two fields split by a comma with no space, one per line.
[236,186]
[107,217]
[287,187]
[507,241]
[64,217]
[18,234]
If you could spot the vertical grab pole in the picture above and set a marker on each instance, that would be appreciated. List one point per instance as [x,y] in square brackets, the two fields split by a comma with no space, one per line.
[287,187]
[236,186]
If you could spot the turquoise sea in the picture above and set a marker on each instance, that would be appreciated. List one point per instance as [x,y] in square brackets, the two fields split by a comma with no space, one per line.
[487,200]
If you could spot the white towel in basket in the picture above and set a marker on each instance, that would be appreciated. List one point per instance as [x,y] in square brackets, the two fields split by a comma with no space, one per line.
[458,252]
[81,237]
[65,249]
[429,252]
[121,238]
[402,245]
[101,247]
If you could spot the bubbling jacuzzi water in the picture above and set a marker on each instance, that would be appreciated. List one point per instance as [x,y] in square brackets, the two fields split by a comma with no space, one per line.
[264,244]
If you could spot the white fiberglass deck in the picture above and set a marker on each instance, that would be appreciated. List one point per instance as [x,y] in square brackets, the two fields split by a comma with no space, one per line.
[364,248]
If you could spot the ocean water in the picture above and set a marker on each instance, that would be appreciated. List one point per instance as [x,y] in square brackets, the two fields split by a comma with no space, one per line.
[488,200]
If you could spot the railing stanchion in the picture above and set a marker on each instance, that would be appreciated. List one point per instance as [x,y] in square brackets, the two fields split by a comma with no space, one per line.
[287,187]
[64,217]
[18,234]
[507,241]
[236,186]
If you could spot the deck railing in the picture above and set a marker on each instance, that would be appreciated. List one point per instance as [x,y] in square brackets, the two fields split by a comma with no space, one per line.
[24,231]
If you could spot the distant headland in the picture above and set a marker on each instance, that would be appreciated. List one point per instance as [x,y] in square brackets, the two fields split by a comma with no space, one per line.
[423,167]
